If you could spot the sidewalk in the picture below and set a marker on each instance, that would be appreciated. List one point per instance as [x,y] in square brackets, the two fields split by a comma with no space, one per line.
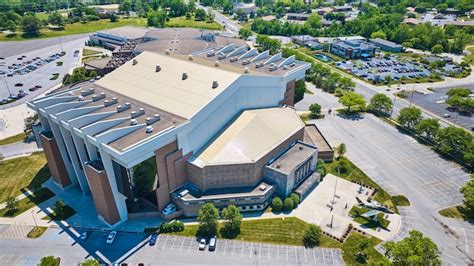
[19,149]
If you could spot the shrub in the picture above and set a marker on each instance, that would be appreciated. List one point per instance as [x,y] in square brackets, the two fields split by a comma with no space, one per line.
[277,204]
[295,198]
[288,205]
[174,226]
[312,236]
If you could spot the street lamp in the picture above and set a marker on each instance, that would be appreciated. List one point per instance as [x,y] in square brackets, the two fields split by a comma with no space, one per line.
[8,88]
[34,219]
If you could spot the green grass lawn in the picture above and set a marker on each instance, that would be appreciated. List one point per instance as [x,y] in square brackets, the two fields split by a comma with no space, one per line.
[55,76]
[456,212]
[358,243]
[23,172]
[289,231]
[400,200]
[59,63]
[13,139]
[354,174]
[90,58]
[66,214]
[89,52]
[37,231]
[470,58]
[29,202]
[357,212]
[182,22]
[77,28]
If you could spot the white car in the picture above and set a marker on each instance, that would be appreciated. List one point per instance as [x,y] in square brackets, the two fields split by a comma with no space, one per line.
[202,244]
[111,237]
[84,235]
[169,209]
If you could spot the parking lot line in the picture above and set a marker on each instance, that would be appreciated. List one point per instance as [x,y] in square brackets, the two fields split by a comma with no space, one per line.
[182,242]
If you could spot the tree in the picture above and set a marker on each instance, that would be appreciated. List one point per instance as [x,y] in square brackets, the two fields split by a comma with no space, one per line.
[353,101]
[57,19]
[380,104]
[428,127]
[321,167]
[29,122]
[346,84]
[342,166]
[59,208]
[312,236]
[437,49]
[49,261]
[277,204]
[233,220]
[244,33]
[200,15]
[31,25]
[378,34]
[341,150]
[12,204]
[208,220]
[144,175]
[416,249]
[468,197]
[125,7]
[268,43]
[288,204]
[454,141]
[295,198]
[315,110]
[113,18]
[409,117]
[90,262]
[300,88]
[157,18]
[461,92]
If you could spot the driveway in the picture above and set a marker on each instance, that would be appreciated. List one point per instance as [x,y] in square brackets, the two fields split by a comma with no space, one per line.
[401,165]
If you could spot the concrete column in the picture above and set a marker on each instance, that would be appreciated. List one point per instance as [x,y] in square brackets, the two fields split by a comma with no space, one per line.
[81,151]
[64,153]
[118,198]
[76,164]
[44,122]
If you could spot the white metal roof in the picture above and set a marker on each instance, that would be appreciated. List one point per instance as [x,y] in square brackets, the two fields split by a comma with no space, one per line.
[166,89]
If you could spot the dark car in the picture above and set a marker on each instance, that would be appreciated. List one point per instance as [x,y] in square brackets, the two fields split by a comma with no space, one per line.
[32,89]
[38,87]
[19,85]
[153,239]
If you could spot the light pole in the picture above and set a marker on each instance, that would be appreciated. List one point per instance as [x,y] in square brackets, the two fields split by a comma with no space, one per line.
[60,44]
[8,88]
[34,219]
[412,94]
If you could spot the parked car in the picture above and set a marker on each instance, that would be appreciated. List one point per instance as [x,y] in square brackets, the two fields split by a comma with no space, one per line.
[446,115]
[153,238]
[19,85]
[202,244]
[169,209]
[84,235]
[111,237]
[212,243]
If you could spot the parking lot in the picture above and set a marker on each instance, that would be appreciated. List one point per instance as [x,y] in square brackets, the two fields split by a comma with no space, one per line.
[238,252]
[378,68]
[39,75]
[434,102]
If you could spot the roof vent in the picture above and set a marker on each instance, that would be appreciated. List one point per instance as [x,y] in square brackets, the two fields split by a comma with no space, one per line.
[138,113]
[216,63]
[300,147]
[87,92]
[122,108]
[153,119]
[190,57]
[184,76]
[134,62]
[246,62]
[211,53]
[273,67]
[292,64]
[278,166]
[149,129]
[167,51]
[96,97]
[157,68]
[110,102]
[233,59]
[262,187]
[285,67]
[133,122]
[260,64]
[215,84]
[80,98]
[246,70]
[221,56]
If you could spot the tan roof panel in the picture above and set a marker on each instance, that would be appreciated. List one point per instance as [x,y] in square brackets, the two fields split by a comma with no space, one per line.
[166,89]
[253,134]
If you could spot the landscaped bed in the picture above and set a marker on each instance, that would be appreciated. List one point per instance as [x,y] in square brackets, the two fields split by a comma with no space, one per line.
[27,203]
[357,213]
[37,231]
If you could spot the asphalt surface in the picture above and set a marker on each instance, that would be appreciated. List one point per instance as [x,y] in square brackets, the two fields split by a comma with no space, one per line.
[231,27]
[132,249]
[12,48]
[401,165]
[42,75]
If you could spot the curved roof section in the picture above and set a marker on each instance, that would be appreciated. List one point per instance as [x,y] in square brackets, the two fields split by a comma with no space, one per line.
[251,136]
[166,89]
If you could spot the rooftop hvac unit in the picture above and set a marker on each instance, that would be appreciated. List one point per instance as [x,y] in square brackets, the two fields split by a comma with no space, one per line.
[80,98]
[133,122]
[87,92]
[110,102]
[167,51]
[260,64]
[292,64]
[221,56]
[273,67]
[262,187]
[124,107]
[300,148]
[278,166]
[246,70]
[157,68]
[233,59]
[216,63]
[184,76]
[215,84]
[138,113]
[96,97]
[190,57]
[134,62]
[183,193]
[285,67]
[153,119]
[246,62]
[149,129]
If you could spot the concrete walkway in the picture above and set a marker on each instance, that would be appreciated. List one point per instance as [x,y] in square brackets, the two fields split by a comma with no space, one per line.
[19,149]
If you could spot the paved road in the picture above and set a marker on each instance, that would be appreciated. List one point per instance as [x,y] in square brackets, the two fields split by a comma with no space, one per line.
[169,250]
[231,27]
[8,49]
[401,165]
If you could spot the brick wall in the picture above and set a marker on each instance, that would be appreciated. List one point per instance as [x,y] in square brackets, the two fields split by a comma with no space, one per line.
[55,161]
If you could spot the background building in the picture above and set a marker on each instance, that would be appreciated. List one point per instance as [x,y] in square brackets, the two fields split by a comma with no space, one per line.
[352,49]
